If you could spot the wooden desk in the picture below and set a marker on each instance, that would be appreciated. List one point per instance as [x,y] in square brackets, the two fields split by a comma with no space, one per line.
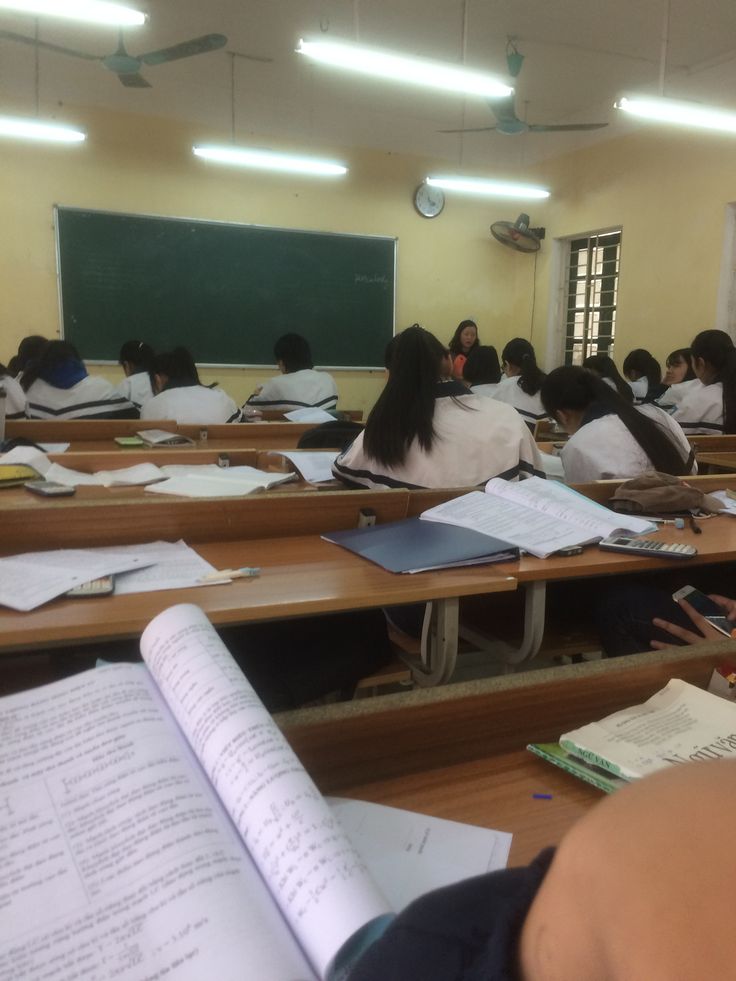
[91,461]
[75,430]
[723,461]
[458,752]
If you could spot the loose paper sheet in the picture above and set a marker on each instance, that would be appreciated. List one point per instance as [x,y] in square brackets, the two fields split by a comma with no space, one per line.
[315,467]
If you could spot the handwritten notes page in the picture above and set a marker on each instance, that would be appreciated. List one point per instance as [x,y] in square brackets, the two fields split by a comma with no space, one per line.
[321,884]
[540,516]
[118,860]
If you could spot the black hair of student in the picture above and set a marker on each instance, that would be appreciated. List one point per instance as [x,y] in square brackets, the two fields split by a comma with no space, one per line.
[519,353]
[388,353]
[138,354]
[605,367]
[641,361]
[294,351]
[51,354]
[571,387]
[178,366]
[482,366]
[455,345]
[404,410]
[682,354]
[716,348]
[28,350]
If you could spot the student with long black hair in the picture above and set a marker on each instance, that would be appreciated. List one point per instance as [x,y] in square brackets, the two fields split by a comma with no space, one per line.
[182,397]
[426,431]
[644,374]
[609,437]
[136,360]
[462,342]
[57,386]
[523,381]
[605,367]
[710,407]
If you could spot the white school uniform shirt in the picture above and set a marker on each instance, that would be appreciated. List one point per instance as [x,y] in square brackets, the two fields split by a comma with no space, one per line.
[487,391]
[92,397]
[477,438]
[677,392]
[528,406]
[15,398]
[701,409]
[297,390]
[136,388]
[194,404]
[604,449]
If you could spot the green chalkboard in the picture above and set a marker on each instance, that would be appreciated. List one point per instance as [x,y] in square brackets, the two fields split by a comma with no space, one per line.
[225,291]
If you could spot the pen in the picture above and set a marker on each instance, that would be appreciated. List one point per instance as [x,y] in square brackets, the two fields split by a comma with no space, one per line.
[677,522]
[247,572]
[695,527]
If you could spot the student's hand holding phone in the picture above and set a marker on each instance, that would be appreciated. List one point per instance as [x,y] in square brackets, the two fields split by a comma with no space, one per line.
[707,631]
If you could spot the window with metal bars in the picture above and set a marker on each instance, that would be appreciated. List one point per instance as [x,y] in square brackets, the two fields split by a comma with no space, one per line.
[592,289]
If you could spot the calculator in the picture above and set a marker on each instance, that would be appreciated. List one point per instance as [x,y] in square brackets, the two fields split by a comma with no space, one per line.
[647,546]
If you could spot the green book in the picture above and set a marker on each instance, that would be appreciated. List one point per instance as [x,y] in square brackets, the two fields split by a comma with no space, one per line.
[554,753]
[129,441]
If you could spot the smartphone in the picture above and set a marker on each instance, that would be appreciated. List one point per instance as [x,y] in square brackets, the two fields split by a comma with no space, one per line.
[708,608]
[102,586]
[49,488]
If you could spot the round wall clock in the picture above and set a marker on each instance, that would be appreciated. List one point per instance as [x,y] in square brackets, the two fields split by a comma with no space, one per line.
[429,201]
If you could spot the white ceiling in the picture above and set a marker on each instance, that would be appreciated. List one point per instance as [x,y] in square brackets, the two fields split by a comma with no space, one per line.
[580,55]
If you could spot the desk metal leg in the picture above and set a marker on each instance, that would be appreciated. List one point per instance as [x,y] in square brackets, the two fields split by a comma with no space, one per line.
[439,644]
[535,596]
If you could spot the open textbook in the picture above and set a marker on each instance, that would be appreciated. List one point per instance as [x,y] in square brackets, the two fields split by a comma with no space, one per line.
[679,724]
[537,515]
[154,823]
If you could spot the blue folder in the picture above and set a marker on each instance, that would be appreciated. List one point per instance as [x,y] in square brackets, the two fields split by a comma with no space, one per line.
[413,545]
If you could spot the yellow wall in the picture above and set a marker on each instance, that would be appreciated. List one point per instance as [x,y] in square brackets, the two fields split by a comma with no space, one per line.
[668,192]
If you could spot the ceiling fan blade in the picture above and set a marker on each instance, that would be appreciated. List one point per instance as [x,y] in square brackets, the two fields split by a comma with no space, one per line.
[10,36]
[504,109]
[134,81]
[197,45]
[475,129]
[565,127]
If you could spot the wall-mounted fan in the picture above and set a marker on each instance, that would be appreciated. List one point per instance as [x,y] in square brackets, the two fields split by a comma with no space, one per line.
[517,234]
[504,109]
[126,66]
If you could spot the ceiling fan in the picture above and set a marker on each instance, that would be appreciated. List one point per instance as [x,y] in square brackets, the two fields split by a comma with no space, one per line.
[126,66]
[503,108]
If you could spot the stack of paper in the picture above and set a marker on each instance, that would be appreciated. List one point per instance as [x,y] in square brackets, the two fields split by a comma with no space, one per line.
[214,481]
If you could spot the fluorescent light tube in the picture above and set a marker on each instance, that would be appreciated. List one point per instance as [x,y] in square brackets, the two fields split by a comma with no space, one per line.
[416,71]
[32,129]
[488,188]
[679,113]
[89,11]
[266,160]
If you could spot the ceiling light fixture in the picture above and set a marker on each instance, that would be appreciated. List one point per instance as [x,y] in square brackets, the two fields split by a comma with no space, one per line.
[89,11]
[399,68]
[268,160]
[489,188]
[678,113]
[32,129]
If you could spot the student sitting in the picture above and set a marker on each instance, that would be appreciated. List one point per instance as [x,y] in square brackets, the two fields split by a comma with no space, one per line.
[605,368]
[609,437]
[57,386]
[136,359]
[679,377]
[15,397]
[464,340]
[428,432]
[644,375]
[298,386]
[181,397]
[482,371]
[523,381]
[29,349]
[710,407]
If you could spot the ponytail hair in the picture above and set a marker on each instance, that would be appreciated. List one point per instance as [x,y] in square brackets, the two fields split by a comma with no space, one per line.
[717,350]
[605,367]
[645,364]
[520,354]
[405,408]
[578,389]
[138,354]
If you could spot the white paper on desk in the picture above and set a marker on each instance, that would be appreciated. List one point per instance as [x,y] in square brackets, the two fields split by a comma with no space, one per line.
[191,486]
[409,854]
[729,504]
[309,415]
[28,455]
[141,473]
[72,478]
[33,578]
[169,565]
[54,447]
[263,478]
[315,467]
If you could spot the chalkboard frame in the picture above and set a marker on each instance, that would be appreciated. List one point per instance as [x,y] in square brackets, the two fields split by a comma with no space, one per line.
[392,240]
